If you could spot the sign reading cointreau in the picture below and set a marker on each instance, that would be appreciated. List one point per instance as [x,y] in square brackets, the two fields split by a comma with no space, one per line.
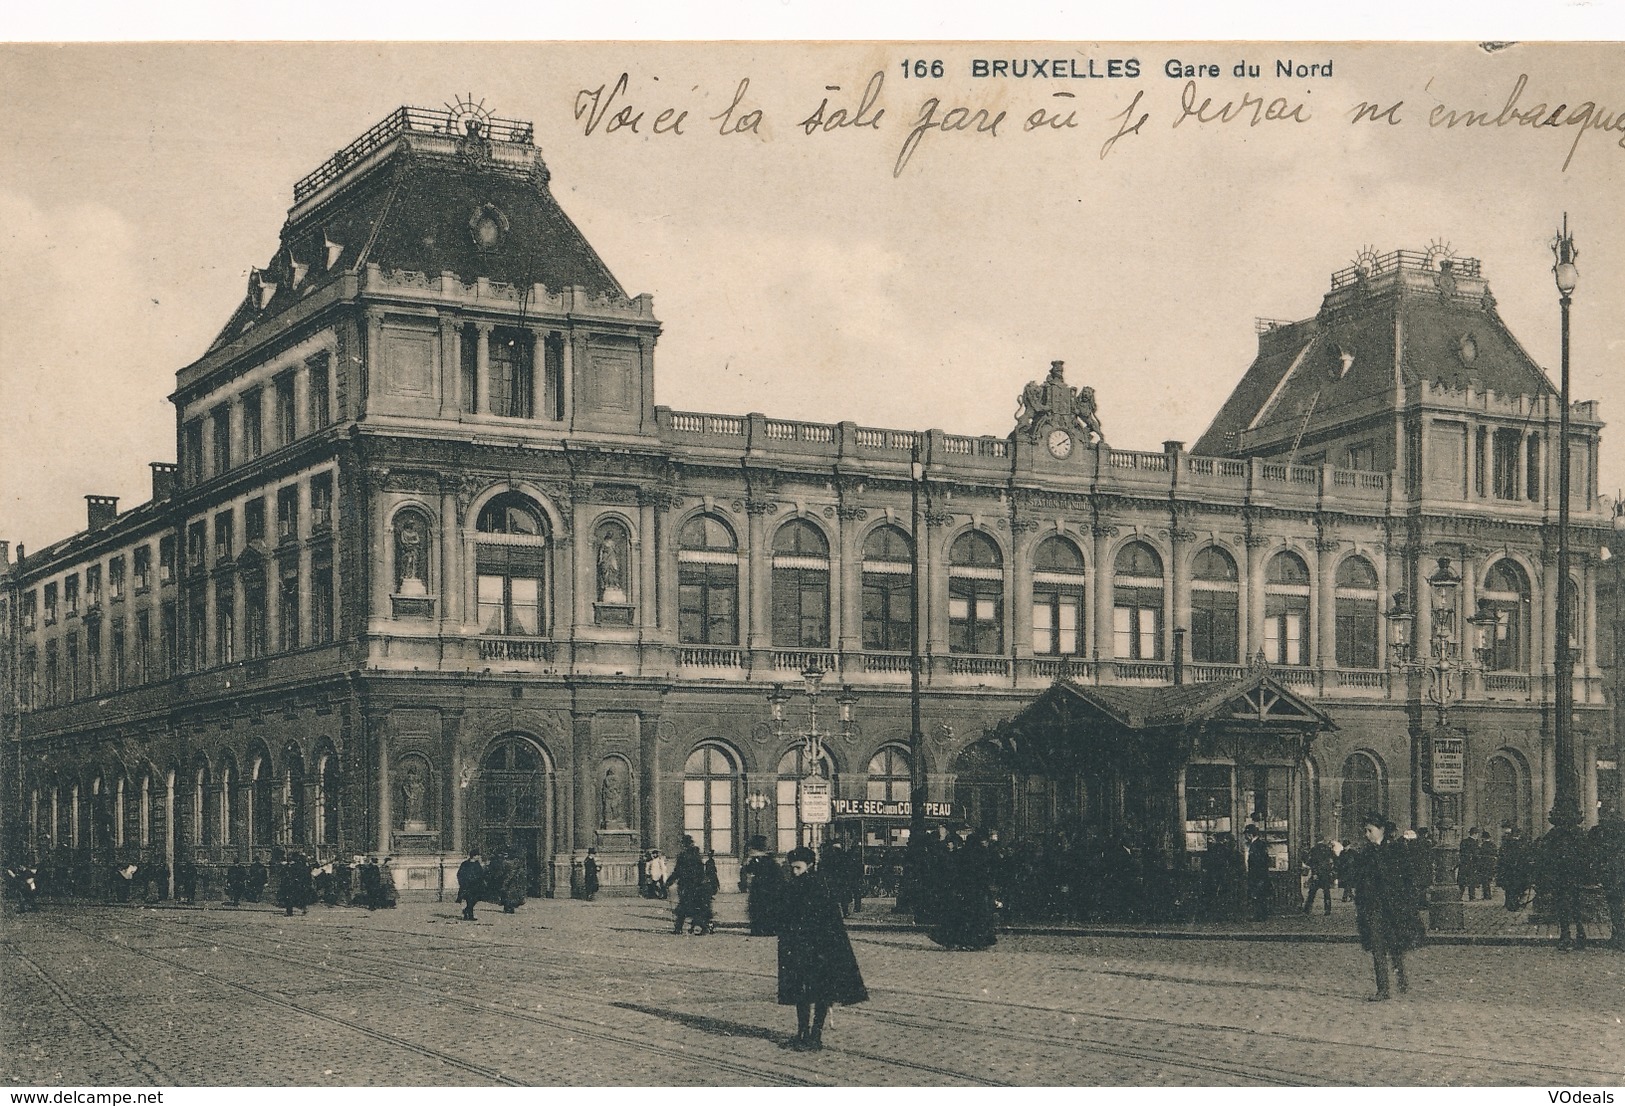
[888,808]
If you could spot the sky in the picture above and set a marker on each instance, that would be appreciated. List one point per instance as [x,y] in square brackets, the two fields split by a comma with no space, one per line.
[810,276]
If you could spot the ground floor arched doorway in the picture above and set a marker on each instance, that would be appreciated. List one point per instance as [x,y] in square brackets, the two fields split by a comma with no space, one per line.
[514,807]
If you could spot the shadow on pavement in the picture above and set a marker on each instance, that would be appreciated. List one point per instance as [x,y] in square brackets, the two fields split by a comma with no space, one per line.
[715,1026]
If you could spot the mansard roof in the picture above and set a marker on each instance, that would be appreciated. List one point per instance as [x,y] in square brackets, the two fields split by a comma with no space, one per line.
[1383,329]
[414,194]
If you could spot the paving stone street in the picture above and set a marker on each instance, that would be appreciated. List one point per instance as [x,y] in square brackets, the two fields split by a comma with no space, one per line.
[576,993]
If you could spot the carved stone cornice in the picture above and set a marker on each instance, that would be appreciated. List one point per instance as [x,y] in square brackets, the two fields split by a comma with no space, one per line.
[1254,540]
[1181,534]
[1328,545]
[1024,525]
[851,514]
[1104,528]
[760,506]
[938,518]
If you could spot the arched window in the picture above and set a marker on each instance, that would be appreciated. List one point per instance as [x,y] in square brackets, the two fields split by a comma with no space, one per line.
[1137,603]
[1215,608]
[710,797]
[515,809]
[1506,796]
[228,802]
[975,595]
[101,814]
[144,835]
[1058,598]
[793,768]
[1532,470]
[800,587]
[888,590]
[261,804]
[293,797]
[327,798]
[1362,794]
[203,832]
[707,583]
[510,562]
[1358,613]
[889,779]
[1286,610]
[1506,595]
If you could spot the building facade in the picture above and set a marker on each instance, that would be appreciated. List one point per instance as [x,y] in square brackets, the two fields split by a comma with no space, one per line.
[433,569]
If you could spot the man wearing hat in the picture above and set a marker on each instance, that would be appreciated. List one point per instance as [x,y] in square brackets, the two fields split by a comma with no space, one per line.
[762,880]
[1259,888]
[470,874]
[1385,902]
[816,965]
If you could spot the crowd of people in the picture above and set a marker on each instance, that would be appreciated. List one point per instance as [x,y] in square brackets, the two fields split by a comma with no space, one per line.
[502,881]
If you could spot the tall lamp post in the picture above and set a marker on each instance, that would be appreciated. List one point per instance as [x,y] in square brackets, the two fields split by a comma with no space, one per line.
[1566,796]
[812,738]
[1443,673]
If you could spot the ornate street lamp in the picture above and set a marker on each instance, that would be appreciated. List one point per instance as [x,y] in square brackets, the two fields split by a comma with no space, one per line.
[1444,749]
[1566,797]
[812,738]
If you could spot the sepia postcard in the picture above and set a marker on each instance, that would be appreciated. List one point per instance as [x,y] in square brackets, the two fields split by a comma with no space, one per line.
[869,564]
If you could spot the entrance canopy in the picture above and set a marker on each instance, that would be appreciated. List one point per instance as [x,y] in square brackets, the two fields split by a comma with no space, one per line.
[1150,731]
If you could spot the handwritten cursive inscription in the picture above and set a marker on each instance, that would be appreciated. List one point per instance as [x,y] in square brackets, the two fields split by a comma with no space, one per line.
[1252,109]
[977,121]
[1583,116]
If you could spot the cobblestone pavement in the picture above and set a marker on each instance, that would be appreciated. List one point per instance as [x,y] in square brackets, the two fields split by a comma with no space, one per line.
[603,993]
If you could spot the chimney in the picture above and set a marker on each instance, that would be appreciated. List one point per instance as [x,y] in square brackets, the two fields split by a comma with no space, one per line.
[5,554]
[163,479]
[1179,657]
[102,510]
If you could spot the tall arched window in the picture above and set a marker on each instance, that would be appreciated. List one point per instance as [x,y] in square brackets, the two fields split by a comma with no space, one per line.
[1215,608]
[1576,619]
[203,831]
[262,804]
[327,798]
[1506,795]
[144,836]
[1358,606]
[1286,610]
[800,587]
[889,778]
[710,797]
[1058,598]
[1362,793]
[793,768]
[707,583]
[1137,603]
[293,796]
[1506,595]
[228,802]
[510,563]
[975,595]
[888,589]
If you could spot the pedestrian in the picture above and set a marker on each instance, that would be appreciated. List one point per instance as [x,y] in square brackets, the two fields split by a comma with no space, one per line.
[1345,855]
[1488,854]
[186,881]
[369,875]
[816,965]
[22,883]
[258,876]
[1259,888]
[1385,902]
[1467,862]
[470,875]
[1322,866]
[693,890]
[513,882]
[387,896]
[763,881]
[657,873]
[589,874]
[236,883]
[124,881]
[1512,870]
[1562,868]
[1609,858]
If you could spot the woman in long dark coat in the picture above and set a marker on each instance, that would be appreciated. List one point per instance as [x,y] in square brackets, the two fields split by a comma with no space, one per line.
[1385,902]
[816,964]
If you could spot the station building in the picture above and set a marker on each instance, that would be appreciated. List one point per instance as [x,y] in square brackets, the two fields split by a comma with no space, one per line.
[434,571]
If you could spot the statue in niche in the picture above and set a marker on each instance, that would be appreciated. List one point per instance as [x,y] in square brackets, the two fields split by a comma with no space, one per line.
[414,798]
[612,796]
[410,539]
[611,565]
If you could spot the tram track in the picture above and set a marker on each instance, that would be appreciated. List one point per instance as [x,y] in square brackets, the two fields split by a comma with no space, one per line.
[500,960]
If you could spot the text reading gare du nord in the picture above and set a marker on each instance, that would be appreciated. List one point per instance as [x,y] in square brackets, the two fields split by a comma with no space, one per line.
[1086,68]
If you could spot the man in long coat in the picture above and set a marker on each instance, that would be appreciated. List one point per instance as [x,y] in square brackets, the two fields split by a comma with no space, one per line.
[470,876]
[763,880]
[513,883]
[816,965]
[1384,879]
[1563,867]
[1260,891]
[694,890]
[1512,869]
